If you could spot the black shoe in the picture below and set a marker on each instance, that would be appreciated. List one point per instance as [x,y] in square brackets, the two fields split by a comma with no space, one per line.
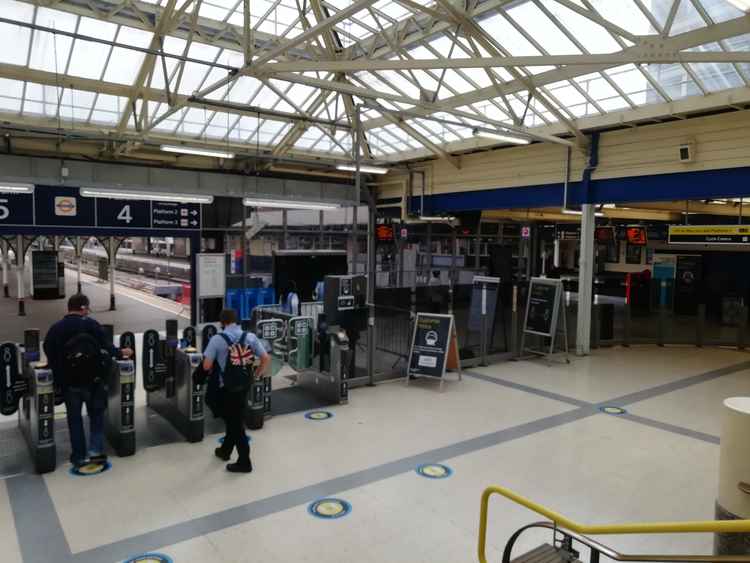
[222,454]
[99,459]
[240,468]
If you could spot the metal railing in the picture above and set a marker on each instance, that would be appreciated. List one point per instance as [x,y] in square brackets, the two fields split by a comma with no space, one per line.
[577,531]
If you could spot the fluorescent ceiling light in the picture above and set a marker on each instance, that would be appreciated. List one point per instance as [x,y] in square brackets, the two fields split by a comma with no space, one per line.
[429,219]
[285,204]
[577,212]
[199,152]
[6,188]
[743,5]
[500,137]
[365,169]
[144,195]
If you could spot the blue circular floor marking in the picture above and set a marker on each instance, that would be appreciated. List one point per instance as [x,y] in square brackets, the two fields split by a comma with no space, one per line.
[318,415]
[150,558]
[329,508]
[434,471]
[248,439]
[90,469]
[613,410]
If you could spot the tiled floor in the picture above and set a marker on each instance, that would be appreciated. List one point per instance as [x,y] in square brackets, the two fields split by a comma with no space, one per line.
[178,500]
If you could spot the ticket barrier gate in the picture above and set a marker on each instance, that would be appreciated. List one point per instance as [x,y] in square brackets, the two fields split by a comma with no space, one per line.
[168,379]
[292,342]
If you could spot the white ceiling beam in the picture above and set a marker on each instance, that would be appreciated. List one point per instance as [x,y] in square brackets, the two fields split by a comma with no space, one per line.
[631,56]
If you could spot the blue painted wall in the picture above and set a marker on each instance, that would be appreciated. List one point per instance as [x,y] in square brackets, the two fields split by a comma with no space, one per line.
[706,184]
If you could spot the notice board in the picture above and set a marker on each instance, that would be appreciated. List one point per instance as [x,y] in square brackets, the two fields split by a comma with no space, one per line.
[434,347]
[212,275]
[542,307]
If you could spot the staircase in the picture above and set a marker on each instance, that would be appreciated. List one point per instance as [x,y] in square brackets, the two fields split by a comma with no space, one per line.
[546,554]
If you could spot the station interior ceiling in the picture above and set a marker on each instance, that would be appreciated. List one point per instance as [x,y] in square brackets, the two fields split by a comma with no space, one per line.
[301,88]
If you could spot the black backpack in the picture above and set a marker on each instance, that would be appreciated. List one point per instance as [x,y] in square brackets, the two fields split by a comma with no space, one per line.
[238,371]
[84,362]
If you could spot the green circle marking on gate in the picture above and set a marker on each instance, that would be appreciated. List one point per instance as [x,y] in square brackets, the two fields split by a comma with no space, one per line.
[613,410]
[90,469]
[329,508]
[434,471]
[150,558]
[318,415]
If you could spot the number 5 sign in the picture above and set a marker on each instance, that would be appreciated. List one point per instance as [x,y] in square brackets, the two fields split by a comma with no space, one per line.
[16,209]
[123,213]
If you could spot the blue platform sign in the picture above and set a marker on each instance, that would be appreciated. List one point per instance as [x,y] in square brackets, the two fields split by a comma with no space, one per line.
[63,207]
[170,215]
[16,209]
[123,214]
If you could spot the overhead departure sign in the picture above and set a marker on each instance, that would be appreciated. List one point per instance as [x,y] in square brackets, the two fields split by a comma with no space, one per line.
[62,206]
[169,215]
[709,234]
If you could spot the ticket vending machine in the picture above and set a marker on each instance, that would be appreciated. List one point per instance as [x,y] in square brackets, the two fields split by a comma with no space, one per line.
[168,380]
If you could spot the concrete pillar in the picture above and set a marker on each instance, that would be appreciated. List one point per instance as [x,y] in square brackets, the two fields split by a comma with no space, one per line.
[6,259]
[733,502]
[19,275]
[79,254]
[112,260]
[585,280]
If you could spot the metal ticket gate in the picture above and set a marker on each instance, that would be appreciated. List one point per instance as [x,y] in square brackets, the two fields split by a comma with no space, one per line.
[28,388]
[168,381]
[273,331]
[292,342]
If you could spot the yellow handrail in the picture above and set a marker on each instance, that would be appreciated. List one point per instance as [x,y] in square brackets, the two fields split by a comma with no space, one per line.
[705,526]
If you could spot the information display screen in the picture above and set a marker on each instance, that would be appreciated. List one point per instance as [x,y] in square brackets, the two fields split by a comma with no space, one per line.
[636,236]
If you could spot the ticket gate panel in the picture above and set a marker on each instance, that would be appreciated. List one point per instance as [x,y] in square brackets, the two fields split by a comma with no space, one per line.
[180,400]
[37,418]
[152,365]
[120,427]
[333,385]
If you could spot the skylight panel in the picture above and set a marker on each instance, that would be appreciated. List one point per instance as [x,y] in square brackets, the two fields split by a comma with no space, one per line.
[545,32]
[50,52]
[592,36]
[626,14]
[717,76]
[123,66]
[14,40]
[507,35]
[687,19]
[721,10]
[674,79]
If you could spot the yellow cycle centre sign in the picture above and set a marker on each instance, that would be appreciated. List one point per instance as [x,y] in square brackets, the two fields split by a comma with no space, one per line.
[709,234]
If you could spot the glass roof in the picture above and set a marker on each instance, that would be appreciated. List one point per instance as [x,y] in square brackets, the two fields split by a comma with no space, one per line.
[105,66]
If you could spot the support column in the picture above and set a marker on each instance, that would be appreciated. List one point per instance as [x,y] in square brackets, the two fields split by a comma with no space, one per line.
[112,258]
[355,238]
[79,255]
[585,280]
[371,265]
[6,259]
[19,275]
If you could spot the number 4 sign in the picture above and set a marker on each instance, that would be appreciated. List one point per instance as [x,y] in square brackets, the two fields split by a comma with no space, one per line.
[123,214]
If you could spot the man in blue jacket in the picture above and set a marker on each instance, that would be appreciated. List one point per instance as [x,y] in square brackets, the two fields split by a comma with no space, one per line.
[79,388]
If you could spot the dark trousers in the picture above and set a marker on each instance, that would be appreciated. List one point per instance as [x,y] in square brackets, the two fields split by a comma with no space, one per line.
[234,419]
[95,399]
